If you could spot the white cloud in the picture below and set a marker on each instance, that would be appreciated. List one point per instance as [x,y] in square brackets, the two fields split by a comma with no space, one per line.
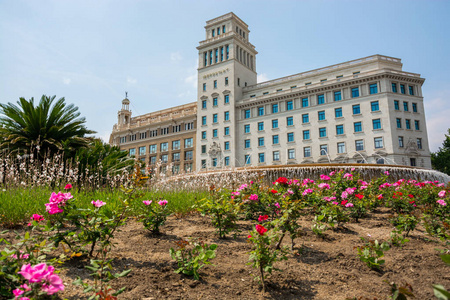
[131,81]
[175,56]
[437,112]
[66,80]
[262,77]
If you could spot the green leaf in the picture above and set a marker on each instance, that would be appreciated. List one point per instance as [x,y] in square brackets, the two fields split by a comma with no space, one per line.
[446,258]
[119,291]
[124,273]
[440,292]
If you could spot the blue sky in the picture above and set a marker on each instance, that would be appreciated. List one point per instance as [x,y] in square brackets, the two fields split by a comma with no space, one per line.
[91,52]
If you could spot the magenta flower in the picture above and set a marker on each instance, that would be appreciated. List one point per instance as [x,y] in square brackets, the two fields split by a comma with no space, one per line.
[235,193]
[344,195]
[441,202]
[335,203]
[332,173]
[386,173]
[324,185]
[348,175]
[441,194]
[18,292]
[349,204]
[277,205]
[253,197]
[98,203]
[147,202]
[68,186]
[307,191]
[21,256]
[324,177]
[163,202]
[37,218]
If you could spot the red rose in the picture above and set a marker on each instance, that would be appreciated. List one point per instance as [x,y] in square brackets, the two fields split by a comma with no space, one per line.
[282,180]
[261,230]
[411,196]
[411,202]
[344,202]
[274,191]
[359,196]
[263,218]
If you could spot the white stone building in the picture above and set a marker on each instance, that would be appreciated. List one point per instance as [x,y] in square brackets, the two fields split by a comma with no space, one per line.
[363,111]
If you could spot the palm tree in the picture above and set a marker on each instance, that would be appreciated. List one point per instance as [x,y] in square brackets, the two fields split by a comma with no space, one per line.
[45,129]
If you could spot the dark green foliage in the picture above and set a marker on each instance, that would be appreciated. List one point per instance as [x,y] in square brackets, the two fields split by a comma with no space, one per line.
[440,160]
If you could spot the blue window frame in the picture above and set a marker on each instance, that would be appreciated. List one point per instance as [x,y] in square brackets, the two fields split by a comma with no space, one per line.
[260,126]
[203,135]
[215,84]
[374,106]
[214,118]
[290,121]
[247,128]
[355,92]
[356,109]
[339,129]
[205,61]
[216,57]
[414,107]
[321,115]
[399,123]
[411,90]
[321,99]
[226,80]
[221,53]
[228,52]
[307,151]
[276,155]
[338,112]
[373,88]
[247,144]
[323,132]
[260,141]
[227,130]
[210,57]
[394,87]
[261,157]
[204,87]
[408,123]
[357,126]
[275,139]
[359,145]
[247,159]
[214,101]
[289,105]
[213,33]
[247,113]
[227,99]
[305,118]
[337,96]
[274,108]
[396,105]
[416,125]
[261,111]
[226,116]
[204,104]
[223,29]
[305,102]
[215,132]
[227,161]
[306,135]
[290,137]
[405,106]
[376,123]
[275,123]
[402,89]
[204,120]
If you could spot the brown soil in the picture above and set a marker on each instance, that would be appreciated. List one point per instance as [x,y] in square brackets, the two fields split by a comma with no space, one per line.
[317,268]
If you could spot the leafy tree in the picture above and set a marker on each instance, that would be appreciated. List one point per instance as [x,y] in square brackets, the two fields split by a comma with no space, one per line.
[440,160]
[46,128]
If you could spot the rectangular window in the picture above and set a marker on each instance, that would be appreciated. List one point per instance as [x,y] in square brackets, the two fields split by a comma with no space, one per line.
[203,135]
[399,123]
[411,90]
[323,132]
[227,99]
[305,102]
[210,57]
[408,123]
[215,84]
[164,147]
[290,121]
[221,53]
[279,90]
[356,109]
[419,143]
[204,120]
[260,126]
[265,93]
[123,139]
[165,158]
[226,80]
[223,29]
[355,92]
[414,107]
[396,105]
[228,52]
[289,105]
[247,144]
[307,151]
[203,163]
[214,118]
[291,153]
[376,123]
[405,106]
[247,159]
[227,131]
[216,58]
[204,87]
[260,157]
[416,125]
[188,143]
[402,89]
[373,88]
[260,142]
[394,87]
[214,162]
[321,115]
[305,118]
[341,147]
[226,116]
[323,149]
[152,149]
[374,106]
[338,112]
[413,161]
[143,135]
[275,123]
[153,160]
[290,137]
[176,145]
[247,128]
[306,135]
[339,129]
[337,96]
[357,126]
[214,101]
[176,156]
[275,139]
[247,113]
[359,145]
[400,141]
[203,149]
[213,32]
[378,142]
[276,155]
[204,104]
[226,146]
[261,111]
[274,108]
[321,99]
[214,133]
[142,150]
[205,63]
[133,136]
[227,161]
